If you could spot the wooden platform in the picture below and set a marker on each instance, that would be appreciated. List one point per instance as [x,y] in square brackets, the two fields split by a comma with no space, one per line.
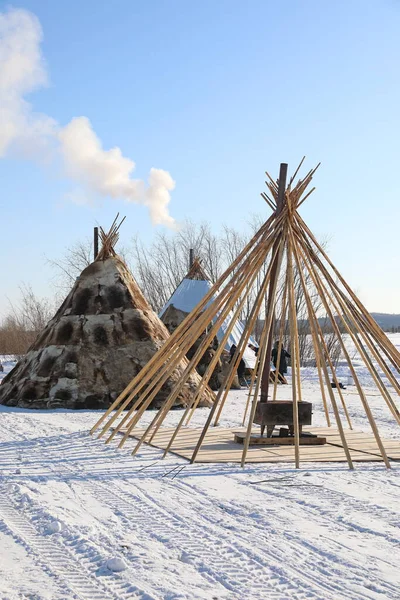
[220,447]
[261,440]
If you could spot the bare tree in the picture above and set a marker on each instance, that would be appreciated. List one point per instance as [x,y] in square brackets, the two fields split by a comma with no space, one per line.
[161,266]
[25,320]
[67,268]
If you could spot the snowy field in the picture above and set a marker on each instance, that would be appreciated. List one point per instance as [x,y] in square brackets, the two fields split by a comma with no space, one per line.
[73,512]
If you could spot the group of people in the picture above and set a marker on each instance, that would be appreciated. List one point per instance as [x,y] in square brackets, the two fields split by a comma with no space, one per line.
[282,367]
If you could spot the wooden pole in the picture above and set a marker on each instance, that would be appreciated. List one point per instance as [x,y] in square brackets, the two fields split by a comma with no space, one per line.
[281,332]
[192,336]
[273,284]
[294,354]
[95,242]
[211,366]
[363,327]
[313,319]
[157,421]
[268,319]
[323,295]
[374,326]
[252,320]
[229,376]
[353,325]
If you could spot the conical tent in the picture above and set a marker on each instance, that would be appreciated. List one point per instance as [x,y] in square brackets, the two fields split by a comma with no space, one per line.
[282,251]
[191,290]
[103,334]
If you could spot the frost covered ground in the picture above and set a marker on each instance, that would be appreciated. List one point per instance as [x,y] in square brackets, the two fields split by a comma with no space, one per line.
[73,512]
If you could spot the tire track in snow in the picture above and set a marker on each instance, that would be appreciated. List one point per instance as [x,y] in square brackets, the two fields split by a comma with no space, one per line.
[313,556]
[75,567]
[90,560]
[268,545]
[290,504]
[235,563]
[277,586]
[48,553]
[218,561]
[327,509]
[63,471]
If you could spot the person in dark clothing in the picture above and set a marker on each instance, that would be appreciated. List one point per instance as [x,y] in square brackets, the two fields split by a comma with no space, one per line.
[282,368]
[241,366]
[254,348]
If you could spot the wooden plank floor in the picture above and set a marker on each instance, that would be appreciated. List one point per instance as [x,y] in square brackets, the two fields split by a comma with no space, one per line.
[219,447]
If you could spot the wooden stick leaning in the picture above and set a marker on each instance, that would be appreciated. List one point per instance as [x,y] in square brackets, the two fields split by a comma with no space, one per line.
[329,360]
[206,318]
[354,336]
[346,306]
[393,351]
[378,380]
[281,332]
[211,366]
[244,341]
[383,350]
[318,362]
[257,372]
[159,418]
[367,334]
[251,388]
[234,360]
[229,376]
[306,196]
[267,199]
[268,319]
[296,346]
[324,295]
[363,324]
[164,372]
[148,368]
[294,335]
[227,382]
[313,323]
[293,177]
[377,354]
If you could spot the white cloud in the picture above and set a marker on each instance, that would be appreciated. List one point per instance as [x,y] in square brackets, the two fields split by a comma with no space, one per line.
[104,173]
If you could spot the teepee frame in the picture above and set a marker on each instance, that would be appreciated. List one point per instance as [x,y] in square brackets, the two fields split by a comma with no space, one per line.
[282,248]
[109,239]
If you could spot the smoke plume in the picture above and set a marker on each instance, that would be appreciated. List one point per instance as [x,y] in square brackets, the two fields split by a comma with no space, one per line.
[99,172]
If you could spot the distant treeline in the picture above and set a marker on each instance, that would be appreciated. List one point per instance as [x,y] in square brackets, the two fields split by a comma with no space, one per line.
[388,322]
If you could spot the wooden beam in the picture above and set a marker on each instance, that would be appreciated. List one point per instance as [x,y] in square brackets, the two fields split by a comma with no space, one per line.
[273,284]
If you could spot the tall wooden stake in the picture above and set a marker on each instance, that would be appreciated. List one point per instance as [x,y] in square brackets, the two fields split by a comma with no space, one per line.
[95,242]
[272,286]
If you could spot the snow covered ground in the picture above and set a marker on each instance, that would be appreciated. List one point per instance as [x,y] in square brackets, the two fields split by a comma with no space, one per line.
[79,519]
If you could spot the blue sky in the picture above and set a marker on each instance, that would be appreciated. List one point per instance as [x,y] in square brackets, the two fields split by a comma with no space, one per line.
[215,92]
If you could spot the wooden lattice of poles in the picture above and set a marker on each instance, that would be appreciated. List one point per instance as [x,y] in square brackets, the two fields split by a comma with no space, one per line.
[282,250]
